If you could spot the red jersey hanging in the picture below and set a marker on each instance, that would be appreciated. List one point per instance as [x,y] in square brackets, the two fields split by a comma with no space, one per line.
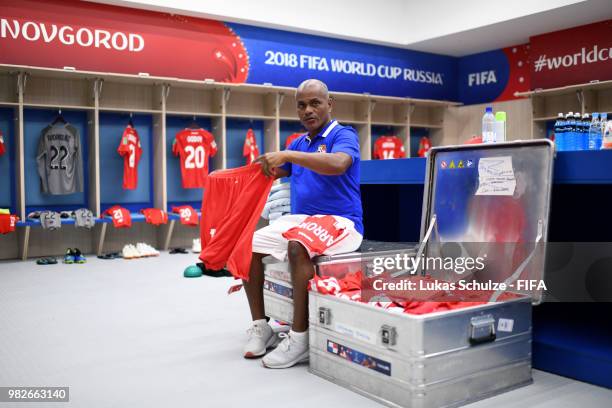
[250,149]
[121,216]
[389,147]
[194,146]
[2,148]
[131,151]
[291,138]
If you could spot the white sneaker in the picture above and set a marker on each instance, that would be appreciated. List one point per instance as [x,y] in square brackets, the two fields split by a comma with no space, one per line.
[152,250]
[289,352]
[197,246]
[146,249]
[128,252]
[261,336]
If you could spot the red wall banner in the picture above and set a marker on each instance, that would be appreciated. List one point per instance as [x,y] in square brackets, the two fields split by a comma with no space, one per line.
[96,37]
[573,56]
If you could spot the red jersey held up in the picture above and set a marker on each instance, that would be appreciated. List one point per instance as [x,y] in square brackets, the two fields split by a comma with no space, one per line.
[194,147]
[131,151]
[250,149]
[389,147]
[8,223]
[232,204]
[155,216]
[188,215]
[121,216]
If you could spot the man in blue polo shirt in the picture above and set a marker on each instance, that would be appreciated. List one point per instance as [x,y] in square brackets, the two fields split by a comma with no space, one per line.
[324,168]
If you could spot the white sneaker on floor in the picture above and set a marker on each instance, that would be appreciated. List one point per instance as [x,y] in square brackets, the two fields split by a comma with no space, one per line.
[129,252]
[261,336]
[197,246]
[289,352]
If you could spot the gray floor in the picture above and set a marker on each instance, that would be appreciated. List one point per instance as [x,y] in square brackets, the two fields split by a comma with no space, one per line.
[137,334]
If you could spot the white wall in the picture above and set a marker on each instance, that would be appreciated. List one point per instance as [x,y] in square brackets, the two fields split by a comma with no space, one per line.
[398,23]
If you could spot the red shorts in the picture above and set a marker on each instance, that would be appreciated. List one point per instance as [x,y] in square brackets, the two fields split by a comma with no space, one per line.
[232,205]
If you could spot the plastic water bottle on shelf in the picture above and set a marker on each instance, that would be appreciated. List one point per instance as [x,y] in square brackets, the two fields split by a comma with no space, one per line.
[604,124]
[584,132]
[594,130]
[488,126]
[606,142]
[577,132]
[559,130]
[570,129]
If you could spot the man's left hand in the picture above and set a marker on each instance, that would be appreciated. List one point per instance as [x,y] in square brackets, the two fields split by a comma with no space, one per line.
[270,161]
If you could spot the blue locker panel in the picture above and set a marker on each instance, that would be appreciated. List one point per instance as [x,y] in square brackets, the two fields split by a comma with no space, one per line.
[7,160]
[177,195]
[35,121]
[236,133]
[288,128]
[111,164]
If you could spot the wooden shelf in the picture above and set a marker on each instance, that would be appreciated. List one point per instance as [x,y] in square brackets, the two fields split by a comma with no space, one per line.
[567,89]
[57,106]
[186,113]
[254,117]
[383,123]
[425,125]
[128,110]
[544,118]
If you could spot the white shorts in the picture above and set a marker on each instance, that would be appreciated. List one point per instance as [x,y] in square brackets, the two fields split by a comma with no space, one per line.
[270,241]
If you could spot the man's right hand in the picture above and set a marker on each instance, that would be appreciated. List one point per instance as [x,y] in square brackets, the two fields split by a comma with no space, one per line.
[271,161]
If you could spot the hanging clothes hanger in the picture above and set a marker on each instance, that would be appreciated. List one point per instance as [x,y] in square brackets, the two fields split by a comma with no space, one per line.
[59,118]
[194,124]
[131,122]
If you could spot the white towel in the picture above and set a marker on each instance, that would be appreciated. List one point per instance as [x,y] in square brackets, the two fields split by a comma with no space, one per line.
[279,194]
[279,187]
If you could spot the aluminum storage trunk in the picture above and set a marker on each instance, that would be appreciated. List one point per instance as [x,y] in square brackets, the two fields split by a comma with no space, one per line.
[453,357]
[278,291]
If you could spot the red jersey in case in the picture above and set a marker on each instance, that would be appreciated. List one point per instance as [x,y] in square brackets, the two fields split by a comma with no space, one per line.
[131,151]
[121,216]
[389,147]
[188,214]
[194,147]
[250,149]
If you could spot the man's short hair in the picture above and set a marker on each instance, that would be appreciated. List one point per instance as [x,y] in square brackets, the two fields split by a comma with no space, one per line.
[314,82]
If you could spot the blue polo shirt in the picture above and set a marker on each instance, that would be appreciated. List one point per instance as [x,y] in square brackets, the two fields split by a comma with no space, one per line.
[313,193]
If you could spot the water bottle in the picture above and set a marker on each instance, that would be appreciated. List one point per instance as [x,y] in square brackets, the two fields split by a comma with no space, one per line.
[602,130]
[570,129]
[559,130]
[576,141]
[594,130]
[488,126]
[584,136]
[606,142]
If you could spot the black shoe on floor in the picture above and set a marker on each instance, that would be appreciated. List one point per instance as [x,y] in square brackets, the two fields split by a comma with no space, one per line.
[222,273]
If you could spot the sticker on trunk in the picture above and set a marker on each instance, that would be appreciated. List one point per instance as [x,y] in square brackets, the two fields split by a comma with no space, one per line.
[357,357]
